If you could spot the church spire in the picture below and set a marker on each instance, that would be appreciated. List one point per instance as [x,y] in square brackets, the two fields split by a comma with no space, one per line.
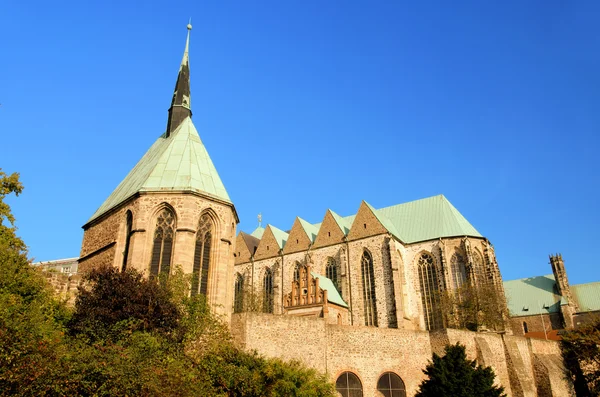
[181,106]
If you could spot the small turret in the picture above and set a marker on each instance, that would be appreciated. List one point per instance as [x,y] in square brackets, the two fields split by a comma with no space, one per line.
[562,285]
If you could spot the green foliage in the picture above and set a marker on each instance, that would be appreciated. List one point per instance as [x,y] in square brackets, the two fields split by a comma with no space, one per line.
[31,319]
[113,297]
[454,376]
[581,353]
[126,336]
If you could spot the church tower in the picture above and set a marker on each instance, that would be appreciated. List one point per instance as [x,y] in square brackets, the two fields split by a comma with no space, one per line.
[171,210]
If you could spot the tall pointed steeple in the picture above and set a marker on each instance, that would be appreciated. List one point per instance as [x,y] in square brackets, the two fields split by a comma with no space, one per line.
[181,105]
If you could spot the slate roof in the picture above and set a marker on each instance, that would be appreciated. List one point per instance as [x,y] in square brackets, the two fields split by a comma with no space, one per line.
[174,163]
[250,241]
[533,295]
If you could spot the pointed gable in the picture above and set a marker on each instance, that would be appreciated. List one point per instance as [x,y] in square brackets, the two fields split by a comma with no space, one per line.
[272,241]
[245,247]
[177,163]
[366,223]
[301,236]
[331,231]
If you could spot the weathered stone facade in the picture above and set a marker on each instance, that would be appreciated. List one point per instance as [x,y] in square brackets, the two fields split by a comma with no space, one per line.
[104,239]
[397,286]
[525,367]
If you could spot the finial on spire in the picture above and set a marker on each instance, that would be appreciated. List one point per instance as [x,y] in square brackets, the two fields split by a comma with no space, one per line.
[259,219]
[181,104]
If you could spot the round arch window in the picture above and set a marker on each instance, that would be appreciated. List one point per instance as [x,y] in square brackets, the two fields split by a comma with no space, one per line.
[391,385]
[348,385]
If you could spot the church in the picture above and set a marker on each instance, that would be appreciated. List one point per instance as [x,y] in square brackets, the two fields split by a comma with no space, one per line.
[357,297]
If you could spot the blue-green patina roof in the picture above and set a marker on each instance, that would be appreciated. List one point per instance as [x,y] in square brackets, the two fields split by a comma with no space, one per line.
[258,232]
[279,235]
[311,230]
[333,295]
[420,220]
[179,162]
[587,296]
[426,219]
[533,295]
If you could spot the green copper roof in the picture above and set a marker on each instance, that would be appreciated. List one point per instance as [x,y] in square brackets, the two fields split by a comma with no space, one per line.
[179,162]
[383,219]
[333,295]
[311,230]
[533,295]
[258,232]
[279,235]
[427,219]
[587,296]
[420,220]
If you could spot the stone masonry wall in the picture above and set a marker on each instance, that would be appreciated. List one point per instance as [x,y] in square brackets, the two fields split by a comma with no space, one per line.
[524,367]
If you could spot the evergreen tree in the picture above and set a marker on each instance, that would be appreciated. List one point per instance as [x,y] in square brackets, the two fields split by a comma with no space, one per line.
[453,375]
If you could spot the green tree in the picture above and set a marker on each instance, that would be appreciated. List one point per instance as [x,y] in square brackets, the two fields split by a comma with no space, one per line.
[31,319]
[453,375]
[581,353]
[111,300]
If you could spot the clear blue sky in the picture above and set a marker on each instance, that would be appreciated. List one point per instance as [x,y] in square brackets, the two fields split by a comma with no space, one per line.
[309,105]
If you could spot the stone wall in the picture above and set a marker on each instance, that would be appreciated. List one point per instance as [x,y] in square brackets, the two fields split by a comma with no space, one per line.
[536,323]
[104,239]
[525,367]
[64,285]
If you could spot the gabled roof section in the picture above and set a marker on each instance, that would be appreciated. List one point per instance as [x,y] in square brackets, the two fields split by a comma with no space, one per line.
[426,219]
[280,236]
[383,219]
[533,295]
[311,230]
[587,296]
[177,163]
[250,241]
[258,232]
[344,223]
[333,295]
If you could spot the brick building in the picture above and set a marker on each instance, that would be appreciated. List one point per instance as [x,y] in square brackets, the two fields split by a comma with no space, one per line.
[357,297]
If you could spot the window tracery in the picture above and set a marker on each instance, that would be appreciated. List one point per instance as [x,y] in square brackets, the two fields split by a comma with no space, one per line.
[368,284]
[202,253]
[162,247]
[268,291]
[430,292]
[238,299]
[459,270]
[332,272]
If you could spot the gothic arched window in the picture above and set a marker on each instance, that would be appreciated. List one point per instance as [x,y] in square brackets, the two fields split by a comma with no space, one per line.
[202,256]
[332,272]
[348,385]
[391,385]
[268,291]
[368,284]
[128,227]
[459,270]
[297,271]
[162,248]
[238,298]
[478,268]
[430,292]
